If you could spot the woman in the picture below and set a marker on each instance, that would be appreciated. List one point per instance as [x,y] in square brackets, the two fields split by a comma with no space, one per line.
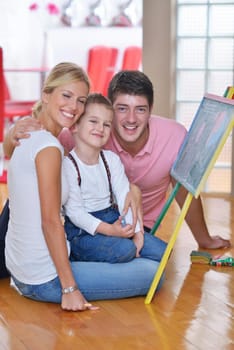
[37,253]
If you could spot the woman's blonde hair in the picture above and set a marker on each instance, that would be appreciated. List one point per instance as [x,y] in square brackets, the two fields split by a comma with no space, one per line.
[62,73]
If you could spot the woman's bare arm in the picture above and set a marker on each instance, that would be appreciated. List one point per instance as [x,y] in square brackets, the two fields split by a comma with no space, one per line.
[49,185]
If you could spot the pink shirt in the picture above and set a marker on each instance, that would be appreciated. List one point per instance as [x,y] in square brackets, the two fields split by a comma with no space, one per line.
[150,168]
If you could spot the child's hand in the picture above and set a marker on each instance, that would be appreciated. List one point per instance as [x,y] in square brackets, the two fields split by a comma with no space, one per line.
[116,229]
[119,230]
[138,240]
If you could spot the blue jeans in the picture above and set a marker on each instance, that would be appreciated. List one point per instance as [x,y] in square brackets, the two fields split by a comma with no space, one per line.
[99,281]
[86,247]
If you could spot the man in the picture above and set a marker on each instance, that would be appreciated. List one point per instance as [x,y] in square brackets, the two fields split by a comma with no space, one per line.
[148,146]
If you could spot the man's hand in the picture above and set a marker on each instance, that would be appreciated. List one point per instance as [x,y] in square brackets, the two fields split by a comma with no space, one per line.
[134,200]
[138,240]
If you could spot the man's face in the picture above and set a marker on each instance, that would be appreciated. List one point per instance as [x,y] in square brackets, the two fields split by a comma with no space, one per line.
[131,116]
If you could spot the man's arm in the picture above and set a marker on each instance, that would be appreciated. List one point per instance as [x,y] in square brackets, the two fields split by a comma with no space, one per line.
[134,201]
[20,130]
[197,224]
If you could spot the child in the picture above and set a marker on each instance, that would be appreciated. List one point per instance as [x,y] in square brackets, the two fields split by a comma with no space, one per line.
[98,187]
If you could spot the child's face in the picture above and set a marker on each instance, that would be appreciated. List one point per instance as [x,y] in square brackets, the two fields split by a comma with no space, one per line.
[94,127]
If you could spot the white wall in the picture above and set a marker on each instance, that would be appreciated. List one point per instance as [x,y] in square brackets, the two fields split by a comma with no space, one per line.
[159,51]
[73,44]
[22,38]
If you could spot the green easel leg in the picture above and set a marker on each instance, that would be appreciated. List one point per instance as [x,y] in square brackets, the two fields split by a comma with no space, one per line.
[165,208]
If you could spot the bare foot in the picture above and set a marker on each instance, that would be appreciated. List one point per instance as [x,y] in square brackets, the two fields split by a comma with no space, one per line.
[216,242]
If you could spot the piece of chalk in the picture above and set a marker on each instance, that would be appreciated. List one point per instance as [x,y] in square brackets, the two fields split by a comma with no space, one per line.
[123,221]
[87,304]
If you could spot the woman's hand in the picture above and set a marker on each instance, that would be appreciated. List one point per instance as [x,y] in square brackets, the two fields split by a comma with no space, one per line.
[75,301]
[134,200]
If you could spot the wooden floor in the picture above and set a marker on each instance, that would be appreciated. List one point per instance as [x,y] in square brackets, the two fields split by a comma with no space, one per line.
[193,310]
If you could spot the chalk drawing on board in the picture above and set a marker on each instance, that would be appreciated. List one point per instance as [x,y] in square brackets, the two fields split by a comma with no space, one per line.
[206,136]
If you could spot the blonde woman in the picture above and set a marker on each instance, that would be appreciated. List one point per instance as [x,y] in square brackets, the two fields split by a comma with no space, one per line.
[37,252]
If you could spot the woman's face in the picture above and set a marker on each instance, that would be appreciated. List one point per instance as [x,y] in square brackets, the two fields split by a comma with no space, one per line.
[64,105]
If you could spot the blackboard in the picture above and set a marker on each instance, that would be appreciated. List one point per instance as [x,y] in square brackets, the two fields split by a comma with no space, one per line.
[209,130]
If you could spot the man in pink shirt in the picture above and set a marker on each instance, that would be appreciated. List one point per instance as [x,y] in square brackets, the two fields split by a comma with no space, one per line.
[149,168]
[148,146]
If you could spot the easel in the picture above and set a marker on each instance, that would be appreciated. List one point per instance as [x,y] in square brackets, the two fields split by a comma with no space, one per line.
[229,93]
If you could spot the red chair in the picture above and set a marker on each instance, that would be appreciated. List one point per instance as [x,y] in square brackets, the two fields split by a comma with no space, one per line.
[111,69]
[14,108]
[101,67]
[132,58]
[9,109]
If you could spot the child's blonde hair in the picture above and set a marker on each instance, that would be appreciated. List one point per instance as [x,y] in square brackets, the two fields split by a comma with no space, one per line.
[99,99]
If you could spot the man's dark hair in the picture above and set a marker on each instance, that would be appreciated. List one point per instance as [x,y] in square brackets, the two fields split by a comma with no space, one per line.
[131,82]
